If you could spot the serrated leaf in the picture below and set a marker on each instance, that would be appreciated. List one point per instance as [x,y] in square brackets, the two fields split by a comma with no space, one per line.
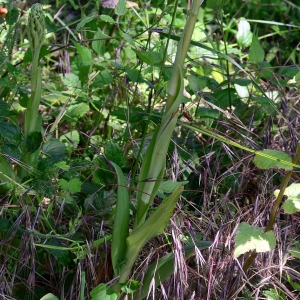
[256,52]
[72,186]
[11,150]
[272,159]
[169,186]
[107,19]
[244,34]
[99,43]
[10,132]
[120,8]
[85,54]
[292,204]
[253,238]
[114,153]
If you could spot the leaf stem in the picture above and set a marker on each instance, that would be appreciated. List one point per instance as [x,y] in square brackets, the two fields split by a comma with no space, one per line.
[276,205]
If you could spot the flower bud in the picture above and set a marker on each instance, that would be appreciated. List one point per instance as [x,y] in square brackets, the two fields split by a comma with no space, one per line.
[36,28]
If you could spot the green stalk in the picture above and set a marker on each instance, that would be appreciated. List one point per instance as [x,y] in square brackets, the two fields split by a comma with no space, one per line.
[36,35]
[153,166]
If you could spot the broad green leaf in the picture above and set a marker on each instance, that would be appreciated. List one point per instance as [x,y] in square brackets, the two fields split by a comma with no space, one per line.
[11,150]
[85,54]
[104,78]
[292,204]
[162,269]
[253,238]
[71,138]
[72,186]
[197,83]
[272,159]
[103,292]
[149,57]
[49,297]
[54,147]
[256,52]
[10,132]
[121,223]
[134,75]
[99,42]
[77,111]
[244,34]
[169,186]
[152,227]
[120,8]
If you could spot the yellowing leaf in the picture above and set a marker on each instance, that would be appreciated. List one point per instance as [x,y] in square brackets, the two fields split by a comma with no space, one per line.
[252,238]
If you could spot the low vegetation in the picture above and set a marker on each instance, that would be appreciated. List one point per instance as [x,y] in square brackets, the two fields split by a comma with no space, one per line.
[149,150]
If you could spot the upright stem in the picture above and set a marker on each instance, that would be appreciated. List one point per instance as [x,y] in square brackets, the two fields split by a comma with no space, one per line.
[276,205]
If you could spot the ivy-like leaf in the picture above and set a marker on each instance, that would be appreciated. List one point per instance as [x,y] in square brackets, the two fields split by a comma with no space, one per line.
[72,186]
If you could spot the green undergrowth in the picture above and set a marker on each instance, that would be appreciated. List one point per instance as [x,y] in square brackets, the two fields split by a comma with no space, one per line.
[91,205]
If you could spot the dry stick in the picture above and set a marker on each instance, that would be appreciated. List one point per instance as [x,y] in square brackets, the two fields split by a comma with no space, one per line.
[273,215]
